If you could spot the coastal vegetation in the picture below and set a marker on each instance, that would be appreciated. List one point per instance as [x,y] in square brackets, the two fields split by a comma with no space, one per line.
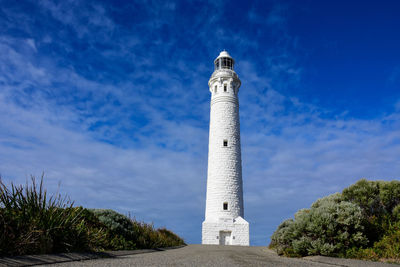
[32,222]
[363,222]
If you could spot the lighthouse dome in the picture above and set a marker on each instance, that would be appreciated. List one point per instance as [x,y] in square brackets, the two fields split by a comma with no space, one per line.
[224,61]
[224,53]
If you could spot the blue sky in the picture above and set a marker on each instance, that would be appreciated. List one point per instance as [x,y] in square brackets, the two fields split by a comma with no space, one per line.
[110,100]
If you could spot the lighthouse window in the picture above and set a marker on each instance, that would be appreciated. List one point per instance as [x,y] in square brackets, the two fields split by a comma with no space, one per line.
[215,89]
[225,205]
[225,142]
[225,88]
[226,63]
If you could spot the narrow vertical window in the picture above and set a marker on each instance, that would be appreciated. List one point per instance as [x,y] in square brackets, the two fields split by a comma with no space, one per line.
[225,206]
[224,63]
[225,88]
[215,89]
[225,142]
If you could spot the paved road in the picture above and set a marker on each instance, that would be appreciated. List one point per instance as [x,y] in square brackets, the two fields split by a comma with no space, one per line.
[209,255]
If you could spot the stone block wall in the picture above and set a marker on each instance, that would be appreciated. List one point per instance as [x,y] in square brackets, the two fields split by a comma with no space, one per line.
[238,227]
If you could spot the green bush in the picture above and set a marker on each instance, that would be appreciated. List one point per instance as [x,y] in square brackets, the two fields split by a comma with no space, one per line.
[388,248]
[396,213]
[31,222]
[365,194]
[169,238]
[378,200]
[362,222]
[131,234]
[390,194]
[119,229]
[329,227]
[116,222]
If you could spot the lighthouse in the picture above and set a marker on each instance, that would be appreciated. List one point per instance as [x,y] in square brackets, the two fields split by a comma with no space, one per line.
[224,222]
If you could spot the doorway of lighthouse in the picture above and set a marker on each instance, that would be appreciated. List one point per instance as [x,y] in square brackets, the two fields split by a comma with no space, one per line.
[225,237]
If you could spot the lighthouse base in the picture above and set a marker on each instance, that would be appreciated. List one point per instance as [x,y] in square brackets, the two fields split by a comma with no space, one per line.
[226,231]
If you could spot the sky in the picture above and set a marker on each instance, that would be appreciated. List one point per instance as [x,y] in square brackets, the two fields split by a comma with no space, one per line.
[109,99]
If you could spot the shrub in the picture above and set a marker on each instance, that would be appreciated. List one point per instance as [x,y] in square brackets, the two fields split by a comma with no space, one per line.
[396,213]
[390,194]
[388,248]
[362,222]
[130,234]
[169,238]
[116,222]
[119,229]
[329,227]
[378,200]
[366,194]
[362,253]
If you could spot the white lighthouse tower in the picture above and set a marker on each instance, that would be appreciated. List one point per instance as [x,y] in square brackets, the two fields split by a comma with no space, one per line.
[224,223]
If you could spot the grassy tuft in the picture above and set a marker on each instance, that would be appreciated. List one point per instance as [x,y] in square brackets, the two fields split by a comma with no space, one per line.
[32,222]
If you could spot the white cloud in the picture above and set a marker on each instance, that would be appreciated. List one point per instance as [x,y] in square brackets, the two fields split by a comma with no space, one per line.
[31,43]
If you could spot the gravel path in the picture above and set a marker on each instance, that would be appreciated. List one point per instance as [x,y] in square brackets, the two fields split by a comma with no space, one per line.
[209,255]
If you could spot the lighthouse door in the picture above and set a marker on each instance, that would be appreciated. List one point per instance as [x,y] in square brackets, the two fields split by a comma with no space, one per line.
[224,238]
